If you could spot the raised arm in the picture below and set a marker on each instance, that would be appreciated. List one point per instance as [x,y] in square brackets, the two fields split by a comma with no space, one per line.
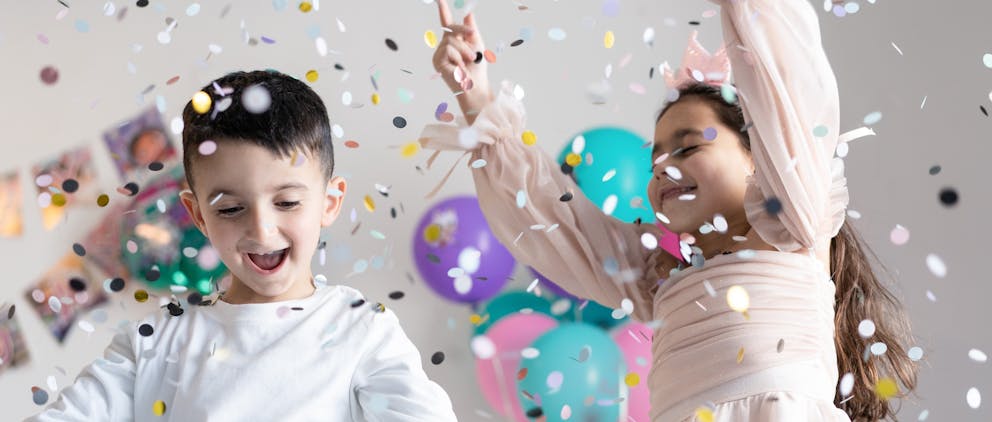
[789,94]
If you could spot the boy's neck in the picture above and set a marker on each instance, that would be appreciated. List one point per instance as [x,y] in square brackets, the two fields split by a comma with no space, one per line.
[240,294]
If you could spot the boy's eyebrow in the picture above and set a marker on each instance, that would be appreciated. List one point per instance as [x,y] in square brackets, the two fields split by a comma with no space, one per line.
[284,186]
[678,138]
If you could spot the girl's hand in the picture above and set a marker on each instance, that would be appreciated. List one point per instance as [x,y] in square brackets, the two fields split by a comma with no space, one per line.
[459,59]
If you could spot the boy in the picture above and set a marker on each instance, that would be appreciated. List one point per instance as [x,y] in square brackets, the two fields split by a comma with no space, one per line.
[276,345]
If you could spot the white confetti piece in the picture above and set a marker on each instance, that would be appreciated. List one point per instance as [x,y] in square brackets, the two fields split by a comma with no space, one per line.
[720,223]
[530,353]
[866,328]
[627,306]
[977,355]
[610,204]
[846,384]
[521,199]
[483,347]
[649,241]
[609,175]
[879,348]
[915,353]
[899,235]
[936,266]
[54,304]
[578,144]
[974,398]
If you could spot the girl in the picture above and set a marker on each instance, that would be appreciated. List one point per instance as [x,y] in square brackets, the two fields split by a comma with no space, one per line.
[747,331]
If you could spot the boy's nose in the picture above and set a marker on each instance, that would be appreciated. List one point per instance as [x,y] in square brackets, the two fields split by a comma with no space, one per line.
[262,228]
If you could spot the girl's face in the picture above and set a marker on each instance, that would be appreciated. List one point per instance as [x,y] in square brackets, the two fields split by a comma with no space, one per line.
[706,159]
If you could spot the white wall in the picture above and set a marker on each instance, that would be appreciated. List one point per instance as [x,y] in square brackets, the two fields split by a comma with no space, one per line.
[942,46]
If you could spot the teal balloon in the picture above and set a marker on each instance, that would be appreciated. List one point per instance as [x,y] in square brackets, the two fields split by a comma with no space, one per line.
[595,314]
[576,361]
[509,303]
[617,149]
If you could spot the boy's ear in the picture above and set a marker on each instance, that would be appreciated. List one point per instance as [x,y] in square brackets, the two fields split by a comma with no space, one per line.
[192,207]
[333,198]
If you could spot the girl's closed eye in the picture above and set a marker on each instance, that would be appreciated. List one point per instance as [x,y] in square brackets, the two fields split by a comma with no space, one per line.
[684,151]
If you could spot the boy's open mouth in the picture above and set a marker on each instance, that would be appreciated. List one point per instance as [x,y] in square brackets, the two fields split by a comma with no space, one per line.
[268,263]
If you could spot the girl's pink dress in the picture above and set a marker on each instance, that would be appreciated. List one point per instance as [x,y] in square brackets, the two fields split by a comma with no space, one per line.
[787,369]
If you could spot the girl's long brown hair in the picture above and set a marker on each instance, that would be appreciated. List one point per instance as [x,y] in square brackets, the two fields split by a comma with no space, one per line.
[860,295]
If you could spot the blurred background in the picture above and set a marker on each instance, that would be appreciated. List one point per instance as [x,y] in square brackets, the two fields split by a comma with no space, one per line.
[91,98]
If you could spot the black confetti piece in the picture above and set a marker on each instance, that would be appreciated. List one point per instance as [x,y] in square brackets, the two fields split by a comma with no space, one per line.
[117,284]
[437,358]
[146,330]
[78,249]
[70,185]
[516,43]
[399,122]
[949,197]
[357,303]
[156,166]
[77,284]
[391,44]
[565,197]
[397,295]
[773,206]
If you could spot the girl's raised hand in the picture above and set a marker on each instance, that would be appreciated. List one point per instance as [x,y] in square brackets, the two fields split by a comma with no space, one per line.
[459,59]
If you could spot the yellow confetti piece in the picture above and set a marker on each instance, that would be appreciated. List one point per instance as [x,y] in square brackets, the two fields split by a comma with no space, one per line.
[201,102]
[410,149]
[306,6]
[738,299]
[58,200]
[312,76]
[608,39]
[141,296]
[704,415]
[529,138]
[103,200]
[632,379]
[158,408]
[432,233]
[430,38]
[369,203]
[573,159]
[740,355]
[475,319]
[886,388]
[375,99]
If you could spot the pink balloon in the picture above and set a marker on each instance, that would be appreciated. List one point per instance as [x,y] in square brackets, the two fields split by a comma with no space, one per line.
[634,340]
[497,375]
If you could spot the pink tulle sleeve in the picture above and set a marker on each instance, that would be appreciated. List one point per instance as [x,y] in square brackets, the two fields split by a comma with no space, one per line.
[789,94]
[573,243]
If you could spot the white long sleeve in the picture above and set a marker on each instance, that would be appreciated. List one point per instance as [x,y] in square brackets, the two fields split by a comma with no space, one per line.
[328,357]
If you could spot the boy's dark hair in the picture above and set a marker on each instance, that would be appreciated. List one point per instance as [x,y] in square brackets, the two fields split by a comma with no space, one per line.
[295,120]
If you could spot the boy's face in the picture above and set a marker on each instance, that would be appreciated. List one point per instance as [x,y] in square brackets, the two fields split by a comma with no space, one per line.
[249,202]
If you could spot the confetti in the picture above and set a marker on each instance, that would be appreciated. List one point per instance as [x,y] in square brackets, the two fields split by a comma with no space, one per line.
[610,204]
[977,355]
[866,328]
[437,358]
[974,398]
[399,122]
[915,353]
[738,299]
[256,99]
[649,241]
[391,44]
[54,304]
[369,203]
[872,118]
[632,379]
[39,396]
[141,296]
[609,39]
[878,348]
[556,34]
[704,415]
[430,38]
[846,384]
[820,131]
[987,60]
[529,138]
[201,102]
[78,249]
[709,133]
[899,235]
[886,388]
[49,75]
[305,6]
[936,265]
[410,149]
[948,197]
[158,408]
[146,330]
[312,76]
[740,355]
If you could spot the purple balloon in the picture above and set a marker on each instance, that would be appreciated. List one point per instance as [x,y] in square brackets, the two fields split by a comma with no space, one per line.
[456,253]
[550,285]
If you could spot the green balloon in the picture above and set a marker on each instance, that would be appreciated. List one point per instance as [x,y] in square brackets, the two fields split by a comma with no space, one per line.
[509,303]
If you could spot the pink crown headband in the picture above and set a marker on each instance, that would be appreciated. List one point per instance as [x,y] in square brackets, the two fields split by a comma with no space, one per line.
[698,65]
